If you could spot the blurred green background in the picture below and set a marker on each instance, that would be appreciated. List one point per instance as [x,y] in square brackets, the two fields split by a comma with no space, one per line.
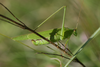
[32,13]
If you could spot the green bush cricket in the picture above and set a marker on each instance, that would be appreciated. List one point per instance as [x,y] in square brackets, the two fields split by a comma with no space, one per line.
[53,35]
[21,25]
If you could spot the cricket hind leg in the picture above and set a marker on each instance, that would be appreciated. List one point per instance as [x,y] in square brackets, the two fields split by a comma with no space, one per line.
[49,17]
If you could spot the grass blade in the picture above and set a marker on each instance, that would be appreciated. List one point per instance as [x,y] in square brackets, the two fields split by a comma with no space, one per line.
[82,46]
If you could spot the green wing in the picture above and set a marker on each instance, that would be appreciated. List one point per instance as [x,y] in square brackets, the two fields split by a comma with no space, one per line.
[33,36]
[52,34]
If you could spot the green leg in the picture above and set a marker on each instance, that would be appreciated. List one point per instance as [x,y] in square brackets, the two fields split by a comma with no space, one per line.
[49,17]
[63,23]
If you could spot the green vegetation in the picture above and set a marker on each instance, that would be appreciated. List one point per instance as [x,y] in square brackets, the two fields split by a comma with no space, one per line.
[32,13]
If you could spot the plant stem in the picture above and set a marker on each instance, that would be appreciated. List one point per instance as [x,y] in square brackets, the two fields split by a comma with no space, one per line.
[82,46]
